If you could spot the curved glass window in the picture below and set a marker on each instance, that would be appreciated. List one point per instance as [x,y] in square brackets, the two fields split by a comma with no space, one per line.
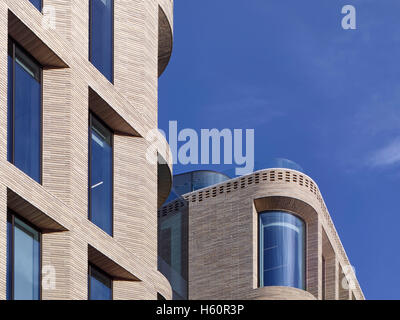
[282,163]
[282,250]
[194,180]
[172,250]
[101,36]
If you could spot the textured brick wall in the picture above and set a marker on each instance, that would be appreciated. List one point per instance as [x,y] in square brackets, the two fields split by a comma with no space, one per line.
[62,199]
[223,237]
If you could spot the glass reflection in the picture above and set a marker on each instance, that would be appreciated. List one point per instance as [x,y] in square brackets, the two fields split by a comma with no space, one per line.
[100,285]
[23,262]
[282,250]
[195,180]
[24,113]
[37,4]
[101,176]
[101,36]
[9,256]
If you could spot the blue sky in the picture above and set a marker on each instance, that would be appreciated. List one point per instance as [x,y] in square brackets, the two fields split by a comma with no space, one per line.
[324,97]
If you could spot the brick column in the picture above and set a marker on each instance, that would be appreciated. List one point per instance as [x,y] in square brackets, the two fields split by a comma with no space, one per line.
[56,266]
[344,292]
[332,278]
[314,258]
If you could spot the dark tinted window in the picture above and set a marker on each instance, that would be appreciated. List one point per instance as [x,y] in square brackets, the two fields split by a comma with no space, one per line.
[100,285]
[24,112]
[282,250]
[23,260]
[37,4]
[101,175]
[101,36]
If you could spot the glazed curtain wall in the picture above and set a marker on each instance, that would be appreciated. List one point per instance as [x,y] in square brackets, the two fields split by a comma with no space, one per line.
[195,180]
[282,250]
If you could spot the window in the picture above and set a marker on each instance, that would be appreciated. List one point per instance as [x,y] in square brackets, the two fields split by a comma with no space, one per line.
[101,175]
[323,278]
[100,285]
[37,4]
[23,260]
[282,250]
[101,39]
[24,147]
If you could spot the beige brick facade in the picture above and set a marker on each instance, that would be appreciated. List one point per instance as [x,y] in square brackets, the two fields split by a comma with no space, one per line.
[71,87]
[223,238]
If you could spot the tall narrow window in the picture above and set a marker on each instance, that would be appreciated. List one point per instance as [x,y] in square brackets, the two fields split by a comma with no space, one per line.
[100,285]
[23,260]
[24,112]
[101,40]
[37,4]
[282,250]
[101,175]
[323,278]
[9,258]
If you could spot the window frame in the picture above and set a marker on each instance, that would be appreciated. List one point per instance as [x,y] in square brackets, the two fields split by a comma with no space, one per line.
[13,45]
[112,42]
[91,266]
[91,115]
[323,289]
[305,236]
[11,215]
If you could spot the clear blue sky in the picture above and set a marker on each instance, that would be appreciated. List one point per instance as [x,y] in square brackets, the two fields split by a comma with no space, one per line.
[326,98]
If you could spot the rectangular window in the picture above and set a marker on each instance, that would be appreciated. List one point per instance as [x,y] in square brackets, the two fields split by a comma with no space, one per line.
[37,4]
[23,260]
[100,284]
[323,278]
[101,175]
[24,148]
[101,39]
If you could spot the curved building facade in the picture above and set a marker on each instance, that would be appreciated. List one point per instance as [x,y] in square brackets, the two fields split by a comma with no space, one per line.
[173,228]
[266,235]
[194,180]
[281,249]
[78,196]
